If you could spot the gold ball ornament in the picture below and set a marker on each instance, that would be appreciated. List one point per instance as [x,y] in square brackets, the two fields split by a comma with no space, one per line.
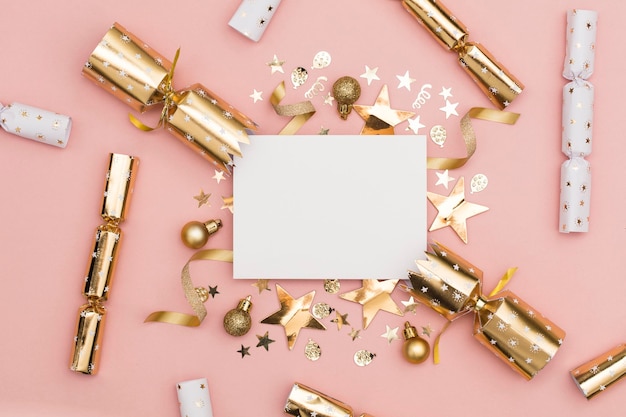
[195,234]
[415,349]
[237,321]
[346,91]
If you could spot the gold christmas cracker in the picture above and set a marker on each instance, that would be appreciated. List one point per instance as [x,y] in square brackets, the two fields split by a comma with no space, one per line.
[120,180]
[136,74]
[600,373]
[305,401]
[506,325]
[500,86]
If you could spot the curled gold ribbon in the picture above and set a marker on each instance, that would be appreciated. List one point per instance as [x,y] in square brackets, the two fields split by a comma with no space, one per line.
[301,112]
[469,136]
[191,320]
[168,99]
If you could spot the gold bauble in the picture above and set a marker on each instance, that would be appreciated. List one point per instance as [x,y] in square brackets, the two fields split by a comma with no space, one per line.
[415,349]
[346,91]
[195,234]
[237,321]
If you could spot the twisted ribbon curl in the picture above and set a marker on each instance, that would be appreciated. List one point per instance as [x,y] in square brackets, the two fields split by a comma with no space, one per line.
[301,112]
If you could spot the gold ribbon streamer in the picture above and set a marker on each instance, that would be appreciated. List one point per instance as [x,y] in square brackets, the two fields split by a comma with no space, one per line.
[469,136]
[168,99]
[301,112]
[499,287]
[190,320]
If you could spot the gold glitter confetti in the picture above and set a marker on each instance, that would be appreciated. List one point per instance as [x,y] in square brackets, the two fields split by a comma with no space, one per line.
[332,286]
[312,350]
[363,357]
[321,310]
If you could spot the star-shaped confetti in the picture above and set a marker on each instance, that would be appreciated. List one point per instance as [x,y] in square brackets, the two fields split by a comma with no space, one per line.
[323,131]
[449,109]
[213,291]
[227,203]
[219,175]
[261,284]
[443,178]
[415,125]
[427,330]
[374,296]
[445,93]
[244,351]
[202,198]
[453,210]
[256,96]
[264,341]
[405,81]
[340,319]
[354,334]
[390,334]
[294,315]
[276,65]
[328,99]
[410,305]
[370,74]
[381,118]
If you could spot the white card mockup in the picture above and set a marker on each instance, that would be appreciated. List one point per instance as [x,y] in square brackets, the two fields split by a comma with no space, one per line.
[329,207]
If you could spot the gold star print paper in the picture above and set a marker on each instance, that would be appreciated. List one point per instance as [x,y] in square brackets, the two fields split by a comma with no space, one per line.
[453,210]
[374,296]
[381,118]
[294,315]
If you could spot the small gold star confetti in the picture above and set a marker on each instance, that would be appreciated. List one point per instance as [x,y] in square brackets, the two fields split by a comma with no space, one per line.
[323,131]
[354,334]
[261,284]
[202,198]
[228,203]
[374,296]
[213,291]
[264,341]
[202,386]
[340,319]
[410,305]
[219,176]
[390,334]
[427,330]
[244,351]
[381,118]
[454,210]
[276,65]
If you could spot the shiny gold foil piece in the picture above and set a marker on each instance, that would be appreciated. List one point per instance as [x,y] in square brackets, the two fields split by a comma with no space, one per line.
[103,259]
[128,68]
[120,182]
[500,86]
[86,348]
[600,373]
[506,325]
[305,401]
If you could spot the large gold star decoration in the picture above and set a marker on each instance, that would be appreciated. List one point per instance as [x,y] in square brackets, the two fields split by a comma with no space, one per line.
[381,118]
[294,315]
[374,296]
[454,210]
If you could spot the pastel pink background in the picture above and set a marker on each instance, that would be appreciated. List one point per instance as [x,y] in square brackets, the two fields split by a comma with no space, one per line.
[52,200]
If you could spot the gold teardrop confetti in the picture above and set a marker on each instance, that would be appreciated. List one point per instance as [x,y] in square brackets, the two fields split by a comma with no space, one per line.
[363,357]
[312,350]
[332,286]
[438,135]
[321,310]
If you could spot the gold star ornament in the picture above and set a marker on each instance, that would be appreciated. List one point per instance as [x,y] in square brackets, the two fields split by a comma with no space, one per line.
[374,296]
[202,198]
[381,118]
[453,210]
[294,315]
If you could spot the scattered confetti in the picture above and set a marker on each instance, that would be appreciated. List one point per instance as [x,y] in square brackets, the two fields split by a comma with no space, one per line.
[410,305]
[312,350]
[264,341]
[443,178]
[322,59]
[390,334]
[354,334]
[454,210]
[340,319]
[449,109]
[405,80]
[227,203]
[438,135]
[219,176]
[213,291]
[202,198]
[276,65]
[256,96]
[363,357]
[328,99]
[381,118]
[299,77]
[415,125]
[422,96]
[323,131]
[479,182]
[332,286]
[261,284]
[370,74]
[374,295]
[244,351]
[317,87]
[321,310]
[427,330]
[445,93]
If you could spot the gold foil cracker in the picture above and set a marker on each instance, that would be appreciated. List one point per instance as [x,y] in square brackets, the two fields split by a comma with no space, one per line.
[192,296]
[601,373]
[120,180]
[300,112]
[306,401]
[503,323]
[498,84]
